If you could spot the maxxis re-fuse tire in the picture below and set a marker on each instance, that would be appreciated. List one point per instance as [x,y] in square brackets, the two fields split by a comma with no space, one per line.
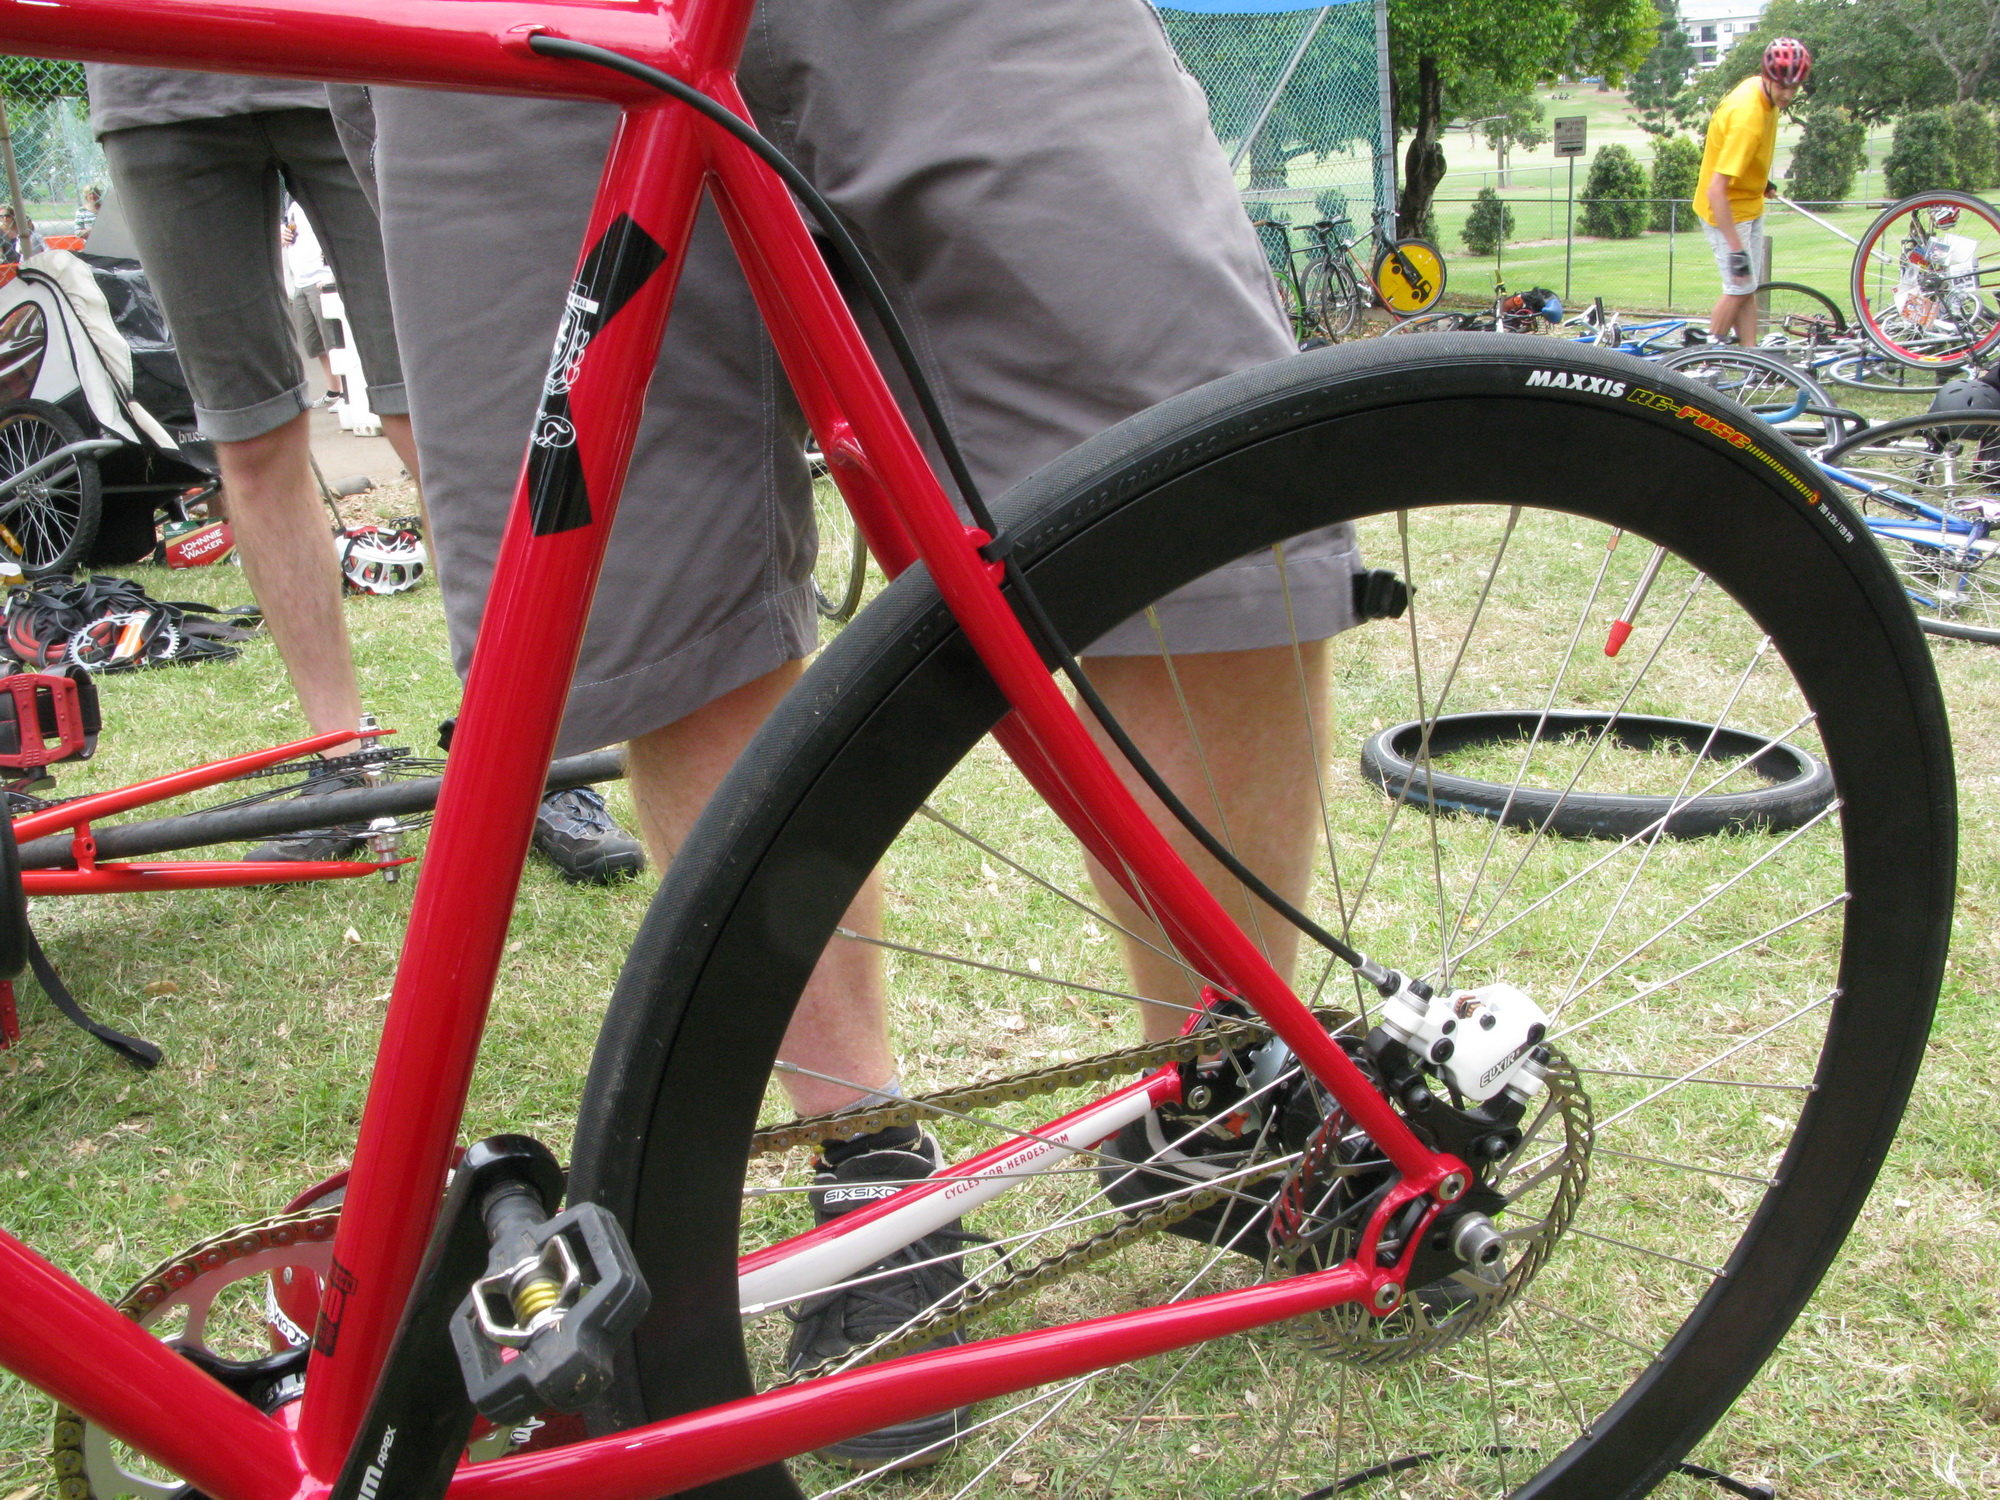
[686,1050]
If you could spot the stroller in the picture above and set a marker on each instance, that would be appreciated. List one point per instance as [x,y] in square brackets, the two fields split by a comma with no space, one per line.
[97,429]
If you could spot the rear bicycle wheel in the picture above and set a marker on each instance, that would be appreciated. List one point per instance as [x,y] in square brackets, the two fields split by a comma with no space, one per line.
[1335,297]
[1925,282]
[1932,503]
[1729,1084]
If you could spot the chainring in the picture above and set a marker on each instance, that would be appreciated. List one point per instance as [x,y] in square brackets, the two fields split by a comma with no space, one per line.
[88,1465]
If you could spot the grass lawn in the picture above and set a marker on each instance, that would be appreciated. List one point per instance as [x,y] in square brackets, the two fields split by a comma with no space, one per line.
[268,1002]
[1657,272]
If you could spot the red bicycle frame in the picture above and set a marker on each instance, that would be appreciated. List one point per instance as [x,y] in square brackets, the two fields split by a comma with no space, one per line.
[663,157]
[130,877]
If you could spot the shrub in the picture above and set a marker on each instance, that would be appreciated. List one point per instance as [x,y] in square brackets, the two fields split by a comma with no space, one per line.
[1615,194]
[1676,168]
[1921,155]
[1490,224]
[1830,151]
[1332,204]
[1973,145]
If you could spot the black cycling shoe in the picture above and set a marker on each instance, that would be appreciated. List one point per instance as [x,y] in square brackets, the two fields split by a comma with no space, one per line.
[574,832]
[318,843]
[1171,1157]
[829,1326]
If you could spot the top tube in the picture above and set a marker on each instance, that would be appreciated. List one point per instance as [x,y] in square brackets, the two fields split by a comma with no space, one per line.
[478,46]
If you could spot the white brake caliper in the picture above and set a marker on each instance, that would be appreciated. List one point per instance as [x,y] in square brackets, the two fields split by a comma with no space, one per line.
[1483,1041]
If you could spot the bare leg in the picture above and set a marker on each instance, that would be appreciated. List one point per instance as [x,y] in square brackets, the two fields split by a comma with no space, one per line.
[841,1027]
[1738,313]
[274,509]
[1248,770]
[332,380]
[396,428]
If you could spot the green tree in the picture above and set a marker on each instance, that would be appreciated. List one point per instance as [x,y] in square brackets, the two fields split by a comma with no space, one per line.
[1660,85]
[1921,157]
[1963,35]
[1506,117]
[1866,59]
[1833,147]
[1489,225]
[40,80]
[1676,168]
[1440,50]
[1974,144]
[1615,195]
[1311,116]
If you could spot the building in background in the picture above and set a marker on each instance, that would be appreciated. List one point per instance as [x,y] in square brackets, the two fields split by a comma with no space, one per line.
[1712,26]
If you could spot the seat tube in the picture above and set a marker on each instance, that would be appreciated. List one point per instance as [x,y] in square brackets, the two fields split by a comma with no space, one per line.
[550,555]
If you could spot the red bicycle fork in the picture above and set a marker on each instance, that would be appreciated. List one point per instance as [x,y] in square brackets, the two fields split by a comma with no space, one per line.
[661,159]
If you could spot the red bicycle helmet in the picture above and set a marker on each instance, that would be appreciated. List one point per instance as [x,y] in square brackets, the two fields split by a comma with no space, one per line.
[1787,62]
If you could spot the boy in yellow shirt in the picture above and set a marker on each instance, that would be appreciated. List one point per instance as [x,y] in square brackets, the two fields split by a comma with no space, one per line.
[1736,178]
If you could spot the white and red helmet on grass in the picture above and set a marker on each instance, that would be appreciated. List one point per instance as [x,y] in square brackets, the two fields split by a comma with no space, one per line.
[384,559]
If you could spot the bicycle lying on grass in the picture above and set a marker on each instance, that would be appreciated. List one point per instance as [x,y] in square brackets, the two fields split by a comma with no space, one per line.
[63,848]
[1929,490]
[1517,1203]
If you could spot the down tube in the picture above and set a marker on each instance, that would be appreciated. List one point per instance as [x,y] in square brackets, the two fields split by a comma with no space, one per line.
[554,545]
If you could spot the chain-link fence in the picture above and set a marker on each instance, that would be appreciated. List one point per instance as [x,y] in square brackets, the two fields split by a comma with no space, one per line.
[1298,98]
[55,154]
[1667,266]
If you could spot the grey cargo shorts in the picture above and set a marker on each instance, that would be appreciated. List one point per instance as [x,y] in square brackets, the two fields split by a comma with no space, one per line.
[203,200]
[1040,190]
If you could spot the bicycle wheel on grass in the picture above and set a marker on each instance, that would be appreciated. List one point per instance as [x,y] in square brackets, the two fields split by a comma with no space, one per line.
[1933,506]
[1723,1088]
[1440,322]
[1409,276]
[840,573]
[1797,317]
[1779,393]
[1926,279]
[51,519]
[1863,367]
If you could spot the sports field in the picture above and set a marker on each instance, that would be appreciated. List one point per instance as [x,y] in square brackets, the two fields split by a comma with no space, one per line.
[1660,271]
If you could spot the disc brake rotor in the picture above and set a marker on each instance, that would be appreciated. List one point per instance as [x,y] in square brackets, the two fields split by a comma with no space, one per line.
[1531,1195]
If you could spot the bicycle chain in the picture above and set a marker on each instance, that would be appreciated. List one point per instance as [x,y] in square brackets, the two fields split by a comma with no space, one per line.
[309,1225]
[1221,1035]
[942,1320]
[287,1229]
[935,1323]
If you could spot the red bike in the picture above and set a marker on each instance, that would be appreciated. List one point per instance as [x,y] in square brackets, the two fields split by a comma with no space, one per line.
[1538,1160]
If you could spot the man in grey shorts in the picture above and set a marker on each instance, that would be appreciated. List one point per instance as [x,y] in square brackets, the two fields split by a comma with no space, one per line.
[1040,191]
[200,162]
